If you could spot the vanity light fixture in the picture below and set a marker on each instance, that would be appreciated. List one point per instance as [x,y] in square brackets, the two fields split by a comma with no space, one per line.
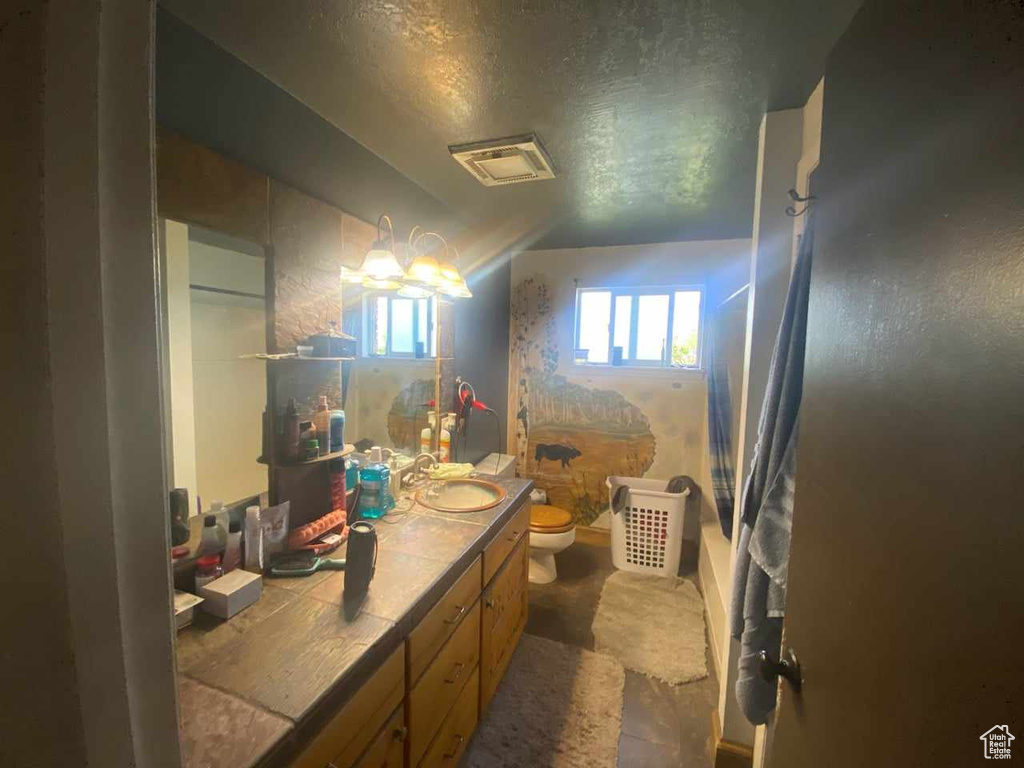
[424,277]
[380,263]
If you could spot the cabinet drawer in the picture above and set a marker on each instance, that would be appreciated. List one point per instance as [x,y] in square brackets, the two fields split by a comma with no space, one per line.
[503,620]
[350,731]
[503,543]
[438,625]
[388,749]
[451,739]
[435,693]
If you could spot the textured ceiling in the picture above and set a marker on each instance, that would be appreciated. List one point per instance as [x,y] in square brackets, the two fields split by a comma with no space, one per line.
[650,110]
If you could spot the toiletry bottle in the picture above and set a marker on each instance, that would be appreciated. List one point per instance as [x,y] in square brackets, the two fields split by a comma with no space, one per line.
[427,435]
[446,441]
[208,569]
[322,422]
[375,499]
[210,542]
[253,540]
[290,447]
[233,554]
[337,431]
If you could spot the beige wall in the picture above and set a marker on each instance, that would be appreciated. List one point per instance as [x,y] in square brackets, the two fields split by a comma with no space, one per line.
[672,402]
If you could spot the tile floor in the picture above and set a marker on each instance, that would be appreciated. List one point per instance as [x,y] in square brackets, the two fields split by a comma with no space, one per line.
[663,726]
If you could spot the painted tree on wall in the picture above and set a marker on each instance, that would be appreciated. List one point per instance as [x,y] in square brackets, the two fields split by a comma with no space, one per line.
[533,351]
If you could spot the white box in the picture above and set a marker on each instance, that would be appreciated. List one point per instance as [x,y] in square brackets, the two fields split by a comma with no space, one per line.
[226,596]
[184,606]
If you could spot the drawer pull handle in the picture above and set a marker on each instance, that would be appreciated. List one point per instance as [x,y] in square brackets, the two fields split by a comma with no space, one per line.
[459,738]
[457,672]
[455,619]
[400,734]
[488,603]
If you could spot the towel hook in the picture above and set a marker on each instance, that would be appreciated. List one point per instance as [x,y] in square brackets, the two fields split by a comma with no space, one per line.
[792,211]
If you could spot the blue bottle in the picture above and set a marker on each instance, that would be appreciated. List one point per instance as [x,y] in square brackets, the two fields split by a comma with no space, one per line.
[375,501]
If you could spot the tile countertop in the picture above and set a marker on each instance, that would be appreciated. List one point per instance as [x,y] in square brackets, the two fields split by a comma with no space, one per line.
[253,690]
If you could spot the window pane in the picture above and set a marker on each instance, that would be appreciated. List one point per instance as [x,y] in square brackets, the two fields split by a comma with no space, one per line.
[380,326]
[595,317]
[651,327]
[686,328]
[401,326]
[422,323]
[623,319]
[433,325]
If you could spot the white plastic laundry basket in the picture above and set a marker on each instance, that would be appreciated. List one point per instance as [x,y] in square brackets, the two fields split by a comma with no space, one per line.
[647,535]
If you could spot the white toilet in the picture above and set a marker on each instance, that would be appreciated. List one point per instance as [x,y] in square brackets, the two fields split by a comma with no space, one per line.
[551,531]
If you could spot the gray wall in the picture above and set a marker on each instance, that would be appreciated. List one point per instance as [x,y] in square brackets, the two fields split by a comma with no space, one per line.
[904,602]
[481,352]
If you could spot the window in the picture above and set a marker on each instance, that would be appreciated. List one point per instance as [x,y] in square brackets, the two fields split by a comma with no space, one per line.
[399,327]
[658,327]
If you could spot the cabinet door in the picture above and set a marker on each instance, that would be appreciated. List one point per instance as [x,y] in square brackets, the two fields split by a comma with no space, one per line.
[504,618]
[388,749]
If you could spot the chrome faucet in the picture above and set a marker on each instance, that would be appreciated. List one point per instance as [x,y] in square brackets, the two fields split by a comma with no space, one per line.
[416,462]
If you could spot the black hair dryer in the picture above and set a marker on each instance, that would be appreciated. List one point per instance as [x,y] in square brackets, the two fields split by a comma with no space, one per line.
[360,560]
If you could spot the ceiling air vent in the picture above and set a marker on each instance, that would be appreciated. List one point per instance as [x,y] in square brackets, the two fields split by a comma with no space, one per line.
[505,161]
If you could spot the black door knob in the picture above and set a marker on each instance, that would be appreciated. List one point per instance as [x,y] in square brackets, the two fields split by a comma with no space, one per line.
[788,668]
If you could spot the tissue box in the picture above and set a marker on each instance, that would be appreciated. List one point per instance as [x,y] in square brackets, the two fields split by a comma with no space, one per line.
[226,596]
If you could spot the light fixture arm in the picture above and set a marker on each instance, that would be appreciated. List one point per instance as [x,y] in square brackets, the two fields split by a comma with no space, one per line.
[384,218]
[444,242]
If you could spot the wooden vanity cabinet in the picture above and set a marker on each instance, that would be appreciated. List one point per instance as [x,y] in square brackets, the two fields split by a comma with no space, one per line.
[420,708]
[363,721]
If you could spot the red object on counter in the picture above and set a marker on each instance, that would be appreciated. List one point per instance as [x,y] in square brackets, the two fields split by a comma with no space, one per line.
[306,533]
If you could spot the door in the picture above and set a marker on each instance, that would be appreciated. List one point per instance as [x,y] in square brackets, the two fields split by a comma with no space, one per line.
[906,593]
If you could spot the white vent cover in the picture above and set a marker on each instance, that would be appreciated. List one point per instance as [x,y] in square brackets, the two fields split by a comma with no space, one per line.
[505,161]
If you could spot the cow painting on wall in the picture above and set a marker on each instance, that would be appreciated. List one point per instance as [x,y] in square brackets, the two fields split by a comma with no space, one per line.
[562,453]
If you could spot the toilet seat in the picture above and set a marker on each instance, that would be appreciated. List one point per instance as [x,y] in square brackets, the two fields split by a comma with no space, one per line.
[547,519]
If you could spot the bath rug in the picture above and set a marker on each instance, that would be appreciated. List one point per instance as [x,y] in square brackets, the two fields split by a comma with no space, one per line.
[652,625]
[557,707]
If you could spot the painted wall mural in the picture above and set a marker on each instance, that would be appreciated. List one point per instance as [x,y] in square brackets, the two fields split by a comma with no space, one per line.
[568,437]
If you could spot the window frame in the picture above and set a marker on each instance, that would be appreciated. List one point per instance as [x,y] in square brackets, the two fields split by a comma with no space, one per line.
[369,337]
[629,360]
